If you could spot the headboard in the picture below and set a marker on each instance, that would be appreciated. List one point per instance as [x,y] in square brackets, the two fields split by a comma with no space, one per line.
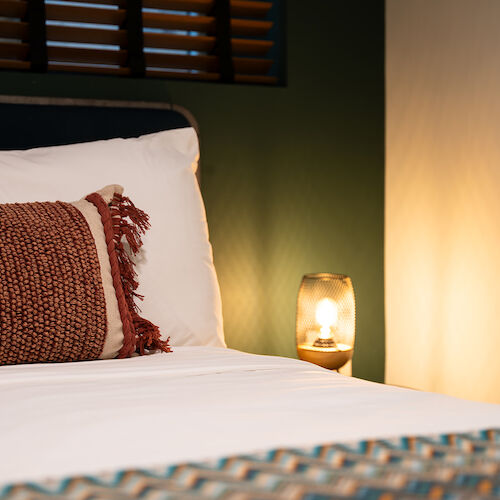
[28,122]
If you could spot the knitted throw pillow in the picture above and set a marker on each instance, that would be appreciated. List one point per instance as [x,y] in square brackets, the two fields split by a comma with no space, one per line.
[67,281]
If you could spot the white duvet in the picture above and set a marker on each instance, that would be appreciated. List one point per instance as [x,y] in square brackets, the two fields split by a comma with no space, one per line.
[196,403]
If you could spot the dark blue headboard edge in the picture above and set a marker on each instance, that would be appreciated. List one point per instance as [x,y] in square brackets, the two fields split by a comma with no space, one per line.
[28,122]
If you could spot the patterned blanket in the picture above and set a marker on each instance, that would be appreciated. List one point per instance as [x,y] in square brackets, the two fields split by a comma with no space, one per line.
[448,466]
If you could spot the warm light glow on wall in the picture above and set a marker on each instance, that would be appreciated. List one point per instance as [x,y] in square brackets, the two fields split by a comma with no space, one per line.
[442,196]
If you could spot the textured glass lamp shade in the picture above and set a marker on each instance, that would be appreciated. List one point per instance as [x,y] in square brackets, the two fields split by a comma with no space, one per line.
[326,320]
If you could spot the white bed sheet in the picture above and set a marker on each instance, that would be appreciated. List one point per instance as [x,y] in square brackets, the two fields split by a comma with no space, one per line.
[197,403]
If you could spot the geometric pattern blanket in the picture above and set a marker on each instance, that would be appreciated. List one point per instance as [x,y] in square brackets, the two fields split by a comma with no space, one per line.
[447,466]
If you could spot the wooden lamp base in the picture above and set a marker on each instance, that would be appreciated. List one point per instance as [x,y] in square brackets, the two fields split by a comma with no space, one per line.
[331,358]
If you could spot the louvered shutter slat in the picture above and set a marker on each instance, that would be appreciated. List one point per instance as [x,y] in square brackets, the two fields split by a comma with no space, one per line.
[96,15]
[86,35]
[87,56]
[12,50]
[12,8]
[12,29]
[104,70]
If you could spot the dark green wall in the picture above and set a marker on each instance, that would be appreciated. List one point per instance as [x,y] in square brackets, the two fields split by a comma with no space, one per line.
[293,177]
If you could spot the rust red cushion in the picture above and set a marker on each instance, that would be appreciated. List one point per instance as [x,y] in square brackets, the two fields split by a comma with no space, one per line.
[67,280]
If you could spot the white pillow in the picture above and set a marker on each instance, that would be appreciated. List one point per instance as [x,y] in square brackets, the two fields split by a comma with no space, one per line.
[176,271]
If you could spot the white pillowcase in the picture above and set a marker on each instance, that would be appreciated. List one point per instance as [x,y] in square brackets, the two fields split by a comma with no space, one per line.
[176,271]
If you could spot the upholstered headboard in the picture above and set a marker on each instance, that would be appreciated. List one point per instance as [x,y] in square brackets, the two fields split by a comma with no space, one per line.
[28,122]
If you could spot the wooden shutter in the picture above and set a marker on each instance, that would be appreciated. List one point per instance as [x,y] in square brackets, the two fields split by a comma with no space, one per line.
[180,38]
[14,48]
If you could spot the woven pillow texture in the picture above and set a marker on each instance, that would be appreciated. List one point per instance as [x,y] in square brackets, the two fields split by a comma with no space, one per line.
[67,280]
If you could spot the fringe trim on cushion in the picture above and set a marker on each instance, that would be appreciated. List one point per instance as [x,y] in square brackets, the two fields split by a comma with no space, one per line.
[130,222]
[122,220]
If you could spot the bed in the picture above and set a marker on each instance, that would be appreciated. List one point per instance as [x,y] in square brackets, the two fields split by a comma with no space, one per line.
[206,421]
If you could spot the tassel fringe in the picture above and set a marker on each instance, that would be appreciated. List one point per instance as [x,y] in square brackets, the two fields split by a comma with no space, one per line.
[129,223]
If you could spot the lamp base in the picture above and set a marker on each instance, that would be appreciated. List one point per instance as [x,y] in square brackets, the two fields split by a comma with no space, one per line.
[331,358]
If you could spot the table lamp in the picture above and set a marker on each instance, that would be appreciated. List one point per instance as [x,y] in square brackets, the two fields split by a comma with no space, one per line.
[326,317]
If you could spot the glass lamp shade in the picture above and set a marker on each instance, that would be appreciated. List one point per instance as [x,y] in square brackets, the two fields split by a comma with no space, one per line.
[326,319]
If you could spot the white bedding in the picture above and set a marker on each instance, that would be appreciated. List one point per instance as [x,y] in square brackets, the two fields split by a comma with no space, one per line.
[196,403]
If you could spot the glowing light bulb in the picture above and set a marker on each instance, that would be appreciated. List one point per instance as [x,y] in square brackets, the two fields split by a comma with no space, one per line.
[326,316]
